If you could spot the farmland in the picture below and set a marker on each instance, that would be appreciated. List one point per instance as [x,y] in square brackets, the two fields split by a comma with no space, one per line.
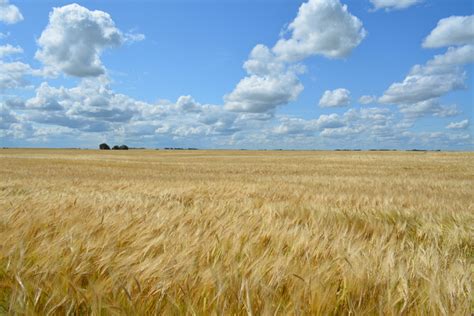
[236,232]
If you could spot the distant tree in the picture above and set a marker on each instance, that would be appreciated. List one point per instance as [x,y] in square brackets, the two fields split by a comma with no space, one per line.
[104,146]
[123,147]
[116,147]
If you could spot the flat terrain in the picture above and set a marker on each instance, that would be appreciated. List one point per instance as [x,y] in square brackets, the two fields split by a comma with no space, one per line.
[236,232]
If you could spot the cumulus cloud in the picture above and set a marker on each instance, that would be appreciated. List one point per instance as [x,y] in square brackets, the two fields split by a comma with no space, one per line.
[92,110]
[262,62]
[420,85]
[356,126]
[12,75]
[329,121]
[186,103]
[437,77]
[260,94]
[367,99]
[427,108]
[454,30]
[393,4]
[441,74]
[47,98]
[299,126]
[90,107]
[9,13]
[8,49]
[269,84]
[322,27]
[7,117]
[342,132]
[74,40]
[458,125]
[335,98]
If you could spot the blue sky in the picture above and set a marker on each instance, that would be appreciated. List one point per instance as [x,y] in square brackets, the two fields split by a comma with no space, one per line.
[237,74]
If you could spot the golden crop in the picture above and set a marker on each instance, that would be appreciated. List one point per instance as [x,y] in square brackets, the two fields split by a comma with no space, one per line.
[236,232]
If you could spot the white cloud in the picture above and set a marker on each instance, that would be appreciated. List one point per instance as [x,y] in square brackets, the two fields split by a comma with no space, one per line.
[262,62]
[7,117]
[367,99]
[419,86]
[438,76]
[427,108]
[443,73]
[454,30]
[90,107]
[342,132]
[454,56]
[270,83]
[47,98]
[322,27]
[74,40]
[335,98]
[458,125]
[186,103]
[263,93]
[12,75]
[393,4]
[329,121]
[134,37]
[8,49]
[299,126]
[9,13]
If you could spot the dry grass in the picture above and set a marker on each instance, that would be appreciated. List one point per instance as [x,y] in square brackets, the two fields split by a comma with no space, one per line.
[224,232]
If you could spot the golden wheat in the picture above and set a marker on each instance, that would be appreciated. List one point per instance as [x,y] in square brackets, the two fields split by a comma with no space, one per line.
[236,232]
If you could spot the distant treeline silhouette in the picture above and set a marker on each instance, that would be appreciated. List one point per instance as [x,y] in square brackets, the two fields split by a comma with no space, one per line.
[104,146]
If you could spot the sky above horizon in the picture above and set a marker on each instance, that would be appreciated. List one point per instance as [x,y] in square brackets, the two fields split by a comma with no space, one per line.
[317,74]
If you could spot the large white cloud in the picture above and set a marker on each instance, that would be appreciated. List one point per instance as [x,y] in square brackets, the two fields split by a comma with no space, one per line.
[93,111]
[8,49]
[7,117]
[438,76]
[441,74]
[458,125]
[262,62]
[74,40]
[263,93]
[9,13]
[454,30]
[89,107]
[335,98]
[322,27]
[393,4]
[427,108]
[92,107]
[12,75]
[299,126]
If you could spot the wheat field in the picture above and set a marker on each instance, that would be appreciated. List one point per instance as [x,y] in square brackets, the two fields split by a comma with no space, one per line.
[145,232]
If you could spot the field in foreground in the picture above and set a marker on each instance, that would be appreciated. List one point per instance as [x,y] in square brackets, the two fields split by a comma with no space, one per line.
[236,232]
